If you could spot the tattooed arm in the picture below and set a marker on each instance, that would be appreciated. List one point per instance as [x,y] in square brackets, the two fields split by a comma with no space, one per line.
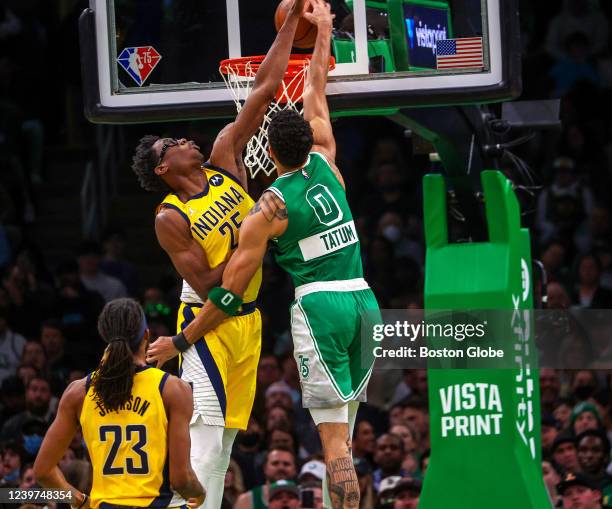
[267,220]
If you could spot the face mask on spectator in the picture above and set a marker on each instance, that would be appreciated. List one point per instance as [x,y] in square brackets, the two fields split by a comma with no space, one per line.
[392,233]
[32,443]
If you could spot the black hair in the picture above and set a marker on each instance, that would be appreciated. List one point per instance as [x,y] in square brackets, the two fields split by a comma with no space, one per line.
[597,433]
[38,377]
[121,325]
[144,162]
[291,138]
[414,402]
[52,323]
[89,247]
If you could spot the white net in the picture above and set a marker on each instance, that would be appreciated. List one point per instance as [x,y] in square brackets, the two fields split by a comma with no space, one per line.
[239,78]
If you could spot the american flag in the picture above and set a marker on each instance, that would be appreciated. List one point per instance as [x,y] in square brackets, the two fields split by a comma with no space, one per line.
[459,53]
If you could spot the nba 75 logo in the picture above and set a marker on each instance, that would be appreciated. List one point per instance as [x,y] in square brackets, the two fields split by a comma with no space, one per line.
[139,62]
[304,369]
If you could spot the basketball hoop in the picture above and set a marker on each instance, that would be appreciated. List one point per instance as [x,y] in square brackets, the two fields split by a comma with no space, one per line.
[239,76]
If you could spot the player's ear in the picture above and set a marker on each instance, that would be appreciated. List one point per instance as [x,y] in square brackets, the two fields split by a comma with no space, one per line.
[161,169]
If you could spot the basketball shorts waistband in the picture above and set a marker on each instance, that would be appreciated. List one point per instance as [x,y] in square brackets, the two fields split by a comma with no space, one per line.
[347,285]
[246,309]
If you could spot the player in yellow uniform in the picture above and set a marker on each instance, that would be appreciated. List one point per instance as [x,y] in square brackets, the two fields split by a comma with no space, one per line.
[135,423]
[197,224]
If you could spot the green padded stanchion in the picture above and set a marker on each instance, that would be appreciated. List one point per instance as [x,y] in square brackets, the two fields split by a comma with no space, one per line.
[484,423]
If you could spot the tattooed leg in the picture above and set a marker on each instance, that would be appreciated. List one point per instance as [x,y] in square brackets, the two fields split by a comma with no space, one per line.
[341,482]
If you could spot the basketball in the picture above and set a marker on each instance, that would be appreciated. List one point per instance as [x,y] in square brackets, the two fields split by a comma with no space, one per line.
[306,32]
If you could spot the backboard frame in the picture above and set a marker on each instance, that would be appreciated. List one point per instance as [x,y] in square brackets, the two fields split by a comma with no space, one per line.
[348,89]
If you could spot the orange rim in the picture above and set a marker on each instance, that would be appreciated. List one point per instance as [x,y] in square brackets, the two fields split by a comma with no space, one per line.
[240,65]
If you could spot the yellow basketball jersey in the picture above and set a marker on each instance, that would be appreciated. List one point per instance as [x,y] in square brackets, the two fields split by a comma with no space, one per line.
[214,217]
[129,447]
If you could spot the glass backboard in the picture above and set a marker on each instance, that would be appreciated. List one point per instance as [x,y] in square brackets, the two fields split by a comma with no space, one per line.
[147,60]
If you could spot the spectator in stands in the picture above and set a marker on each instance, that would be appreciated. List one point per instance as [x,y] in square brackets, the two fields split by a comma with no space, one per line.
[282,437]
[388,455]
[32,298]
[574,67]
[114,264]
[246,449]
[562,412]
[12,399]
[558,298]
[292,378]
[551,480]
[563,453]
[549,389]
[53,341]
[314,490]
[364,441]
[410,463]
[37,400]
[32,434]
[553,258]
[284,495]
[34,355]
[27,478]
[268,371]
[585,416]
[279,394]
[416,416]
[77,308]
[279,465]
[234,484]
[564,205]
[26,372]
[593,451]
[588,292]
[424,461]
[550,429]
[579,492]
[89,258]
[11,348]
[583,16]
[407,493]
[366,483]
[10,469]
[584,384]
[312,471]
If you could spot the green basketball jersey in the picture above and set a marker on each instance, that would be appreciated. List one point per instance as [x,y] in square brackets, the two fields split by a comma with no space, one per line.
[320,243]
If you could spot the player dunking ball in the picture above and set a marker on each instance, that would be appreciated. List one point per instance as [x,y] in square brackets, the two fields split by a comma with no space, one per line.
[135,423]
[306,216]
[197,224]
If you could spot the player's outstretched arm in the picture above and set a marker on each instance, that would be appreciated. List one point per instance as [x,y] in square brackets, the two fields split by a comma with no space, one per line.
[186,254]
[56,442]
[178,401]
[231,141]
[267,220]
[316,110]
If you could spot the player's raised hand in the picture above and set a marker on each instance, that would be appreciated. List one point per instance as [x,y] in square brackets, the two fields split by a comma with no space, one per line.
[321,14]
[161,351]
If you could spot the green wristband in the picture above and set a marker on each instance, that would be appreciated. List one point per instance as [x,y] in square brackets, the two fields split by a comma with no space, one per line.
[226,301]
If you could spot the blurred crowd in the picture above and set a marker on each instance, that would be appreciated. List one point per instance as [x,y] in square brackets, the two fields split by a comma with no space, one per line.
[48,314]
